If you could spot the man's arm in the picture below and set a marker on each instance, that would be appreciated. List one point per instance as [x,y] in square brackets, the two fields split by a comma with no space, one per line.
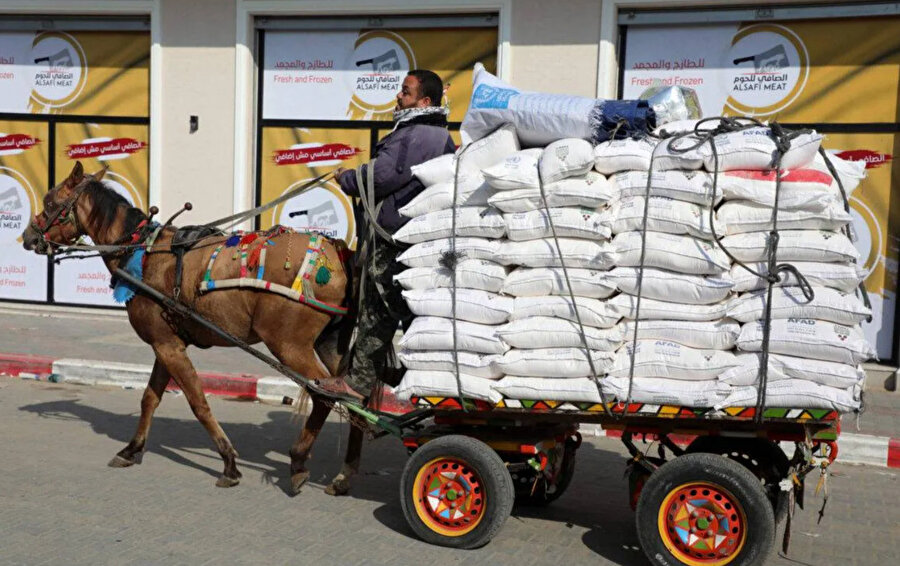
[346,178]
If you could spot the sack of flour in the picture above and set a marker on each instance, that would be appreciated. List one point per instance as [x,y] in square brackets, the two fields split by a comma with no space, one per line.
[418,383]
[841,276]
[576,390]
[660,358]
[592,312]
[543,253]
[672,286]
[428,254]
[541,281]
[789,302]
[567,222]
[472,190]
[625,305]
[591,190]
[471,221]
[476,156]
[569,157]
[800,188]
[623,155]
[471,305]
[706,335]
[516,171]
[755,148]
[554,362]
[470,363]
[470,274]
[548,332]
[664,215]
[679,153]
[851,173]
[793,245]
[688,186]
[741,216]
[796,393]
[433,333]
[809,338]
[683,254]
[783,367]
[661,391]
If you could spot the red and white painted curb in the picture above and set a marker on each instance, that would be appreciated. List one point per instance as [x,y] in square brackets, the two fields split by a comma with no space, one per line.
[852,448]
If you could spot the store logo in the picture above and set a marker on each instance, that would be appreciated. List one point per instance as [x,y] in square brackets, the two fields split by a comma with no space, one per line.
[315,154]
[324,209]
[378,65]
[17,201]
[873,159]
[61,69]
[105,149]
[14,144]
[770,66]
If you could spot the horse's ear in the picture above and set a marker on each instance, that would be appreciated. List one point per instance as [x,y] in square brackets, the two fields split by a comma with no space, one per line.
[99,174]
[76,176]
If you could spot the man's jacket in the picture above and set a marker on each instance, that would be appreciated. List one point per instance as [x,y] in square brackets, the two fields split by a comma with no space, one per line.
[395,186]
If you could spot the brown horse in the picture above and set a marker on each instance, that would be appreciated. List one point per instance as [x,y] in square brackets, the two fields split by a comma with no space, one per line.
[293,331]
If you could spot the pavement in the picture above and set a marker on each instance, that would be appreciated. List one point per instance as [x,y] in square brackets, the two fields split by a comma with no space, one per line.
[61,504]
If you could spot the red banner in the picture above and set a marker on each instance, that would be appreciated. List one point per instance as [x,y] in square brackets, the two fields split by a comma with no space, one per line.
[872,158]
[115,146]
[17,141]
[326,152]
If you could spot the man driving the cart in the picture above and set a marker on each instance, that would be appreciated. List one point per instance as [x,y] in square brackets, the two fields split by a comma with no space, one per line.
[384,186]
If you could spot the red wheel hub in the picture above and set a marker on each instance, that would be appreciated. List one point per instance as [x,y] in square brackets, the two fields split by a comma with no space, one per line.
[449,496]
[702,523]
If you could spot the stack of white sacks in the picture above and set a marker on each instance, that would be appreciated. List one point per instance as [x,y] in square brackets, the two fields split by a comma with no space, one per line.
[518,336]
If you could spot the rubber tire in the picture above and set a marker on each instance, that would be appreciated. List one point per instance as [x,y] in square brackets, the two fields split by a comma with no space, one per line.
[738,480]
[540,498]
[495,478]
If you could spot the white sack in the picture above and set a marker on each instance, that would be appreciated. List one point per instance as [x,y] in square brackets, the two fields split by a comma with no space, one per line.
[577,390]
[661,391]
[665,156]
[754,148]
[471,221]
[705,335]
[543,253]
[472,159]
[470,274]
[793,245]
[672,286]
[841,276]
[538,118]
[683,254]
[796,393]
[565,158]
[418,383]
[591,190]
[472,190]
[516,171]
[554,362]
[470,363]
[568,223]
[664,215]
[592,312]
[741,216]
[623,155]
[540,281]
[427,254]
[471,305]
[789,302]
[548,332]
[438,170]
[660,358]
[808,338]
[800,188]
[625,305]
[783,367]
[851,173]
[688,186]
[433,333]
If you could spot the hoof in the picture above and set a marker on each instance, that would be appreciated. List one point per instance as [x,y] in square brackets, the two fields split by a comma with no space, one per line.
[298,480]
[338,487]
[120,462]
[225,481]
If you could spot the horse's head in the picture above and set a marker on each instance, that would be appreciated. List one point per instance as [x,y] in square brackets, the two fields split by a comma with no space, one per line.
[58,225]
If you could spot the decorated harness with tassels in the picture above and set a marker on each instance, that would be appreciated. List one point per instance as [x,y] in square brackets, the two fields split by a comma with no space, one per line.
[315,268]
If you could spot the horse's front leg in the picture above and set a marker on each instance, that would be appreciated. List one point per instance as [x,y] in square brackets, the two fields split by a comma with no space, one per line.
[340,485]
[302,448]
[131,454]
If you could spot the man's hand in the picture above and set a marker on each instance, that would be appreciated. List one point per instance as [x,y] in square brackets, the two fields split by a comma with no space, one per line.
[338,172]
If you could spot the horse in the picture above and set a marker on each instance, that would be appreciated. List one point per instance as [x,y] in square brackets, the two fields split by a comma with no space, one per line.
[301,337]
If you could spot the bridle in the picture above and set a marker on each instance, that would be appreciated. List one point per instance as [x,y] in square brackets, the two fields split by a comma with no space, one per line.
[64,214]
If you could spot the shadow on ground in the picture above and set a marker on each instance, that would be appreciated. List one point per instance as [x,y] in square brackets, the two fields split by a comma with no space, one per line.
[597,500]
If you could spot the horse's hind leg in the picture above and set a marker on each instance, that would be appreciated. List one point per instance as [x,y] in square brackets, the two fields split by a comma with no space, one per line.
[175,358]
[130,455]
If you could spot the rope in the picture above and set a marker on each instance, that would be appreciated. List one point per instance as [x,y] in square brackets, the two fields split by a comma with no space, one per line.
[450,263]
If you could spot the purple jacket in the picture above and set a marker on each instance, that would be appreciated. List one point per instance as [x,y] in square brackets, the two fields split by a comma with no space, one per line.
[395,185]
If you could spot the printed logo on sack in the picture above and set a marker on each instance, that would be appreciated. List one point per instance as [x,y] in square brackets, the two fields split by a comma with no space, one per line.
[324,209]
[378,65]
[61,69]
[14,144]
[17,199]
[486,96]
[770,66]
[315,154]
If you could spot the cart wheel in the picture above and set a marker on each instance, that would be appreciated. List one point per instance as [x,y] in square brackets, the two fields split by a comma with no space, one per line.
[543,495]
[705,510]
[456,491]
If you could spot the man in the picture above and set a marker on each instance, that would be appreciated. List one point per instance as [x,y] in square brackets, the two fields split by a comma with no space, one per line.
[419,134]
